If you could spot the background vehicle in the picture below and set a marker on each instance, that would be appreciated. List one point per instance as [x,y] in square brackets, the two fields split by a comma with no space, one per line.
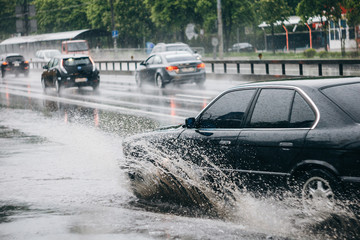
[14,63]
[301,135]
[75,47]
[171,67]
[46,55]
[70,71]
[170,47]
[242,47]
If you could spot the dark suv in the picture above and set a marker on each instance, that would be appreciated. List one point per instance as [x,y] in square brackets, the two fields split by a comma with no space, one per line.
[14,63]
[70,71]
[301,135]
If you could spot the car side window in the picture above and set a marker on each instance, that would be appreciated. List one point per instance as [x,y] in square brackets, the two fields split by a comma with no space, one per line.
[228,111]
[150,60]
[302,115]
[56,62]
[157,60]
[272,109]
[51,63]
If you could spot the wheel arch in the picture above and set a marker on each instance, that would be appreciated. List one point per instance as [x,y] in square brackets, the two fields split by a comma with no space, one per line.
[308,165]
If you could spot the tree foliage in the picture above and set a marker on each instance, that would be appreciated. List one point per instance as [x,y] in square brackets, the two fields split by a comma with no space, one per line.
[131,19]
[7,18]
[57,16]
[234,14]
[353,11]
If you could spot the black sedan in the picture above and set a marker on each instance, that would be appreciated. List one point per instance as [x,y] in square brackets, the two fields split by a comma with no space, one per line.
[70,71]
[171,67]
[302,136]
[14,63]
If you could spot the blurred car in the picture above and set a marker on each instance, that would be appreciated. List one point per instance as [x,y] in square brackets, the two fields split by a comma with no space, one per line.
[46,55]
[14,63]
[170,47]
[302,136]
[242,47]
[70,71]
[163,68]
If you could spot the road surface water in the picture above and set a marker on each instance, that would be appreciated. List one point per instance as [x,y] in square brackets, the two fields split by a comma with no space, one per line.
[61,176]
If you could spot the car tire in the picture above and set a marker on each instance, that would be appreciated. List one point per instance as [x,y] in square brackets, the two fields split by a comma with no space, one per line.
[138,80]
[320,191]
[159,82]
[2,74]
[43,85]
[96,86]
[58,86]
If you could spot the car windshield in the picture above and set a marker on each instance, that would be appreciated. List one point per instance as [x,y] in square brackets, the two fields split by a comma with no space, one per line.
[77,46]
[178,48]
[346,97]
[179,58]
[76,61]
[15,58]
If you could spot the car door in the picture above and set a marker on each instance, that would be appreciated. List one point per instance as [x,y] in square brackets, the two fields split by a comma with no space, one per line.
[212,142]
[146,69]
[273,136]
[47,73]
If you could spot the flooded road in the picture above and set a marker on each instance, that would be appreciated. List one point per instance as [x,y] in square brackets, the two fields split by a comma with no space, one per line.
[60,175]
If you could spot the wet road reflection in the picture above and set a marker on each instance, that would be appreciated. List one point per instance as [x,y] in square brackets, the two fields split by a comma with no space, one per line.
[60,176]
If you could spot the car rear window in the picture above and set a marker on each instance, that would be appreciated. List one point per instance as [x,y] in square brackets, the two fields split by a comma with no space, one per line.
[180,58]
[77,46]
[76,61]
[178,48]
[15,58]
[347,97]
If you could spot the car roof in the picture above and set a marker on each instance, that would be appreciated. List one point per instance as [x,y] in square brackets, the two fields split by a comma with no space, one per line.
[13,55]
[72,56]
[316,83]
[174,53]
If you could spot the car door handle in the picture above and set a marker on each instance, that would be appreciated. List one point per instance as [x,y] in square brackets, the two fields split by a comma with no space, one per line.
[224,142]
[286,145]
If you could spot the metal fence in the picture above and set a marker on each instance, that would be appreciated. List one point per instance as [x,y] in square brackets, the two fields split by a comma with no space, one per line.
[250,67]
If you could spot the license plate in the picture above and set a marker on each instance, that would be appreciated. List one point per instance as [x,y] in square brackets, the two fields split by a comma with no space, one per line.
[16,64]
[190,69]
[80,79]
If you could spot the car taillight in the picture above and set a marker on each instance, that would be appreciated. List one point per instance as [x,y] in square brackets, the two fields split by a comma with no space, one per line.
[93,63]
[4,63]
[201,65]
[172,68]
[62,66]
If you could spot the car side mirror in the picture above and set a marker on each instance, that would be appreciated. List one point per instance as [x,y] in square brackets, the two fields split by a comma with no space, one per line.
[143,63]
[190,122]
[45,67]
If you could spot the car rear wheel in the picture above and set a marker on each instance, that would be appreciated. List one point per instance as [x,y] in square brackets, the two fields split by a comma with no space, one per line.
[319,191]
[159,81]
[2,74]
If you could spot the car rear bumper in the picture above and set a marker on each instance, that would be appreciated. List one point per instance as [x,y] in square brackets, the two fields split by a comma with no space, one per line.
[72,81]
[186,78]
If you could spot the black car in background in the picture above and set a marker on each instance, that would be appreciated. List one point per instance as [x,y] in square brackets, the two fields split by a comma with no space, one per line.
[66,71]
[301,135]
[171,67]
[14,63]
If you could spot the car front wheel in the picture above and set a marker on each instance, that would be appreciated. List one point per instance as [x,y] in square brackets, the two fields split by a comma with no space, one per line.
[43,84]
[57,86]
[159,82]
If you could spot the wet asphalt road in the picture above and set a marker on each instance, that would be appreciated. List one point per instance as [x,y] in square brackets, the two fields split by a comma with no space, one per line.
[60,176]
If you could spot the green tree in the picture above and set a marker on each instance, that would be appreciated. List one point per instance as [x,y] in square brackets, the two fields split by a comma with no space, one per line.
[330,9]
[58,16]
[173,16]
[7,18]
[131,19]
[234,14]
[271,12]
